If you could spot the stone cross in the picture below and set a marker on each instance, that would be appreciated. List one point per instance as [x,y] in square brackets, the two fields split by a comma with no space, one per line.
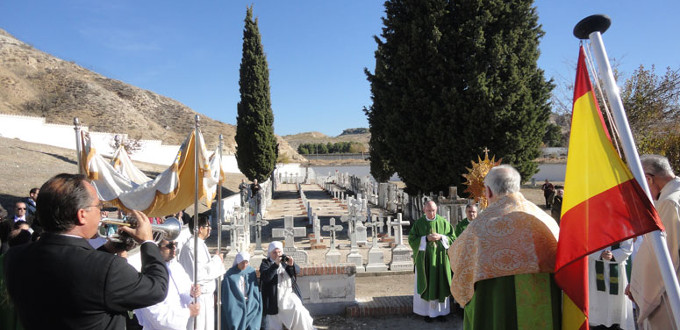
[374,224]
[258,222]
[388,224]
[332,228]
[232,228]
[289,232]
[350,232]
[316,227]
[397,229]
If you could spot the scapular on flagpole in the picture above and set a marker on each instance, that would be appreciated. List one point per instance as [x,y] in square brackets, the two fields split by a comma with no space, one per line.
[592,28]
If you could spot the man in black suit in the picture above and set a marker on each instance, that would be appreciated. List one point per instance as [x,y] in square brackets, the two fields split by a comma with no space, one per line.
[61,282]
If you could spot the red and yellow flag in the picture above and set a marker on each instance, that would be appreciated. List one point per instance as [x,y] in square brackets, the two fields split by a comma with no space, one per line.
[603,204]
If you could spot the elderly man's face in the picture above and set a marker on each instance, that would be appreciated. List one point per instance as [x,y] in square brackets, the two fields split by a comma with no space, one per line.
[471,213]
[654,188]
[430,210]
[20,209]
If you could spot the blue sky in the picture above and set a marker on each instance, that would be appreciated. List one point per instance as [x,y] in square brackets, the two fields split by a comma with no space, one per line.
[191,50]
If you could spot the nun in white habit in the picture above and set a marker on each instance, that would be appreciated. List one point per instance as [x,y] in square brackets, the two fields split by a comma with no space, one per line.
[281,299]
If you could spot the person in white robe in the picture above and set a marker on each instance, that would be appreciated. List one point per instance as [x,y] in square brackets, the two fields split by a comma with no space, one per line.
[209,269]
[281,299]
[174,312]
[607,281]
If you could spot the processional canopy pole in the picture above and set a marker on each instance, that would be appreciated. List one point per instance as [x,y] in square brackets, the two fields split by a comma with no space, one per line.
[219,230]
[79,143]
[196,131]
[592,28]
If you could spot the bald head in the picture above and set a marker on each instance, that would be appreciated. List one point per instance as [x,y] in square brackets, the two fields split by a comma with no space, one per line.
[430,209]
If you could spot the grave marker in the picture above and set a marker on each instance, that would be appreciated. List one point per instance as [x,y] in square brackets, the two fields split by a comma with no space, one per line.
[402,256]
[289,232]
[333,255]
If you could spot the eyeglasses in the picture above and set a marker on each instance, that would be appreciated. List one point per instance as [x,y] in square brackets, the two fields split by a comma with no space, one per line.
[169,246]
[99,206]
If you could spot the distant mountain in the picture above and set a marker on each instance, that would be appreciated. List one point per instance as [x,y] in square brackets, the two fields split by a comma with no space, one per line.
[360,130]
[316,137]
[35,83]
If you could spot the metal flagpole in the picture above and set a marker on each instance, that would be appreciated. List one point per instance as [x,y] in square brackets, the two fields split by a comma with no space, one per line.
[219,231]
[79,143]
[592,28]
[196,213]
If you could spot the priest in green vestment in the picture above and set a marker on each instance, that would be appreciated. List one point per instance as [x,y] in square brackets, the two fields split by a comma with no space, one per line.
[430,237]
[471,211]
[503,262]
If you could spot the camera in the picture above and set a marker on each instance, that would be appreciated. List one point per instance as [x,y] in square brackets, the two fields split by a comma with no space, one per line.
[284,258]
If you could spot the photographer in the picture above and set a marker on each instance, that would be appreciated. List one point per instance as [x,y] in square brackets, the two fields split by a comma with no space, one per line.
[281,299]
[61,282]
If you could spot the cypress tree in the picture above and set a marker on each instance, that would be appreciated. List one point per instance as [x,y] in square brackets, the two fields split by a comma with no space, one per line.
[453,77]
[502,94]
[256,149]
[379,156]
[407,86]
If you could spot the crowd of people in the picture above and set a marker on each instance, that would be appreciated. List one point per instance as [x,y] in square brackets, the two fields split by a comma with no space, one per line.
[495,266]
[97,288]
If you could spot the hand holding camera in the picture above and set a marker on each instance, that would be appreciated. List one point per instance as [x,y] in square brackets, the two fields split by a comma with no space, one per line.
[288,260]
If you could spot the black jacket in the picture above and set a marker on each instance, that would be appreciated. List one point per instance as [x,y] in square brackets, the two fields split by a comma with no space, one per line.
[268,284]
[61,282]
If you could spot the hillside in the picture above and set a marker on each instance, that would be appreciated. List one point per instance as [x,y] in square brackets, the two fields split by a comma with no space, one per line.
[24,165]
[35,83]
[316,137]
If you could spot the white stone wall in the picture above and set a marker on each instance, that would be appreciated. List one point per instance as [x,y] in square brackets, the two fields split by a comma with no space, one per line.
[34,129]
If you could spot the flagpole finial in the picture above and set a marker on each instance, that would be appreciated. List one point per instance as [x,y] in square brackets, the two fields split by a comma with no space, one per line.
[593,23]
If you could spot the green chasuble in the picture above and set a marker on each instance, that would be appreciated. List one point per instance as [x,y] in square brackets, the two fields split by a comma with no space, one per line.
[461,225]
[524,301]
[432,265]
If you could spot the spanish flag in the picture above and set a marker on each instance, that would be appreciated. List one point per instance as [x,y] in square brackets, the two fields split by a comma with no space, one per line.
[603,203]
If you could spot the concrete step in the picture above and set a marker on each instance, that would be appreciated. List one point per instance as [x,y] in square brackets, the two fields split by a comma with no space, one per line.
[390,305]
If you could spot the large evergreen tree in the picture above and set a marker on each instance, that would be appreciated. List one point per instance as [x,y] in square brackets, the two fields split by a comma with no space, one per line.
[455,77]
[256,143]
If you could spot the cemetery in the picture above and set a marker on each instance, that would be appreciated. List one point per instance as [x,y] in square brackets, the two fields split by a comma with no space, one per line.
[340,229]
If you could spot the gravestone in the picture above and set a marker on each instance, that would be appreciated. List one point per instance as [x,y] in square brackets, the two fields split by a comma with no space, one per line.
[231,228]
[361,235]
[388,237]
[376,260]
[402,256]
[258,254]
[316,241]
[310,213]
[357,224]
[333,255]
[353,257]
[288,233]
